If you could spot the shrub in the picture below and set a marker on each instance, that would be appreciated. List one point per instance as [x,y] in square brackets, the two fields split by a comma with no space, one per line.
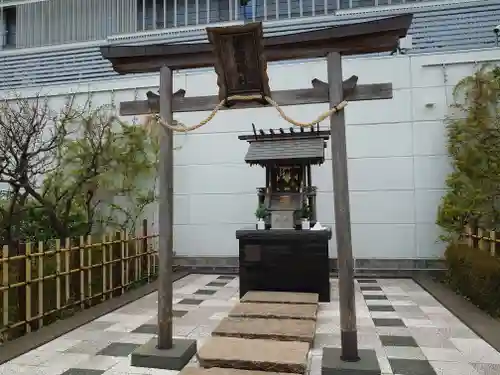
[475,274]
[473,132]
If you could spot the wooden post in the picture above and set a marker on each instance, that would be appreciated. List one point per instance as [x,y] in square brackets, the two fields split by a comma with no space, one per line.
[41,256]
[103,266]
[493,243]
[349,339]
[111,257]
[468,235]
[5,284]
[123,263]
[81,252]
[144,251]
[67,265]
[58,275]
[165,214]
[19,249]
[90,249]
[27,286]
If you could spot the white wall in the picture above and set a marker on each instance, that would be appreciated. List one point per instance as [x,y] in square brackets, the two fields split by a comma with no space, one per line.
[396,149]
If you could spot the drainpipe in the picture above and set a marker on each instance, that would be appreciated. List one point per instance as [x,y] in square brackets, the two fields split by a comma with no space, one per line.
[3,27]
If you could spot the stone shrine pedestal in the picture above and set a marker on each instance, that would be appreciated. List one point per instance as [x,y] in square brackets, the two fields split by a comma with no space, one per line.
[284,260]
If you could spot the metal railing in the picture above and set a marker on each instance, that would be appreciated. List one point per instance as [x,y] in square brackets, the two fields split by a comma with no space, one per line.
[436,28]
[46,281]
[53,22]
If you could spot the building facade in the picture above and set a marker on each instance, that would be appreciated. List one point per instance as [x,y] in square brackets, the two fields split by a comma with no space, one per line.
[396,148]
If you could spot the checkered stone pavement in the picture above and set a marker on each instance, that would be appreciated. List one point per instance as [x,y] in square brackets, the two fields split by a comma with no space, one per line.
[410,331]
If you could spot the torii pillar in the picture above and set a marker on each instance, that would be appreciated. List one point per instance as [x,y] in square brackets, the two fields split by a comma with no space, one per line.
[248,45]
[165,352]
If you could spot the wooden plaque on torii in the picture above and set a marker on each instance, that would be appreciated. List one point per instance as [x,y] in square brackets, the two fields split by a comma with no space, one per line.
[240,61]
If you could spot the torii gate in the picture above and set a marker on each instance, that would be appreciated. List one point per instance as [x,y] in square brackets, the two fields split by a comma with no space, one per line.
[239,55]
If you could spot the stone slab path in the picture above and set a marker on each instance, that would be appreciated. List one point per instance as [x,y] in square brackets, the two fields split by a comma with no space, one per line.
[254,354]
[226,371]
[412,333]
[262,344]
[274,329]
[274,310]
[281,297]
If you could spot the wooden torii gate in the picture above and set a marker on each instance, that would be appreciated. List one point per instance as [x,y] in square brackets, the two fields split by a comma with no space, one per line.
[239,55]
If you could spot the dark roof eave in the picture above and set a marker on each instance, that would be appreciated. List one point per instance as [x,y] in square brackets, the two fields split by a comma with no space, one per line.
[278,136]
[400,24]
[374,36]
[269,162]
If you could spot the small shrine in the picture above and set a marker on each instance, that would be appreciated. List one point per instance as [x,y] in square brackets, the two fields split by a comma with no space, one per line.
[287,157]
[286,256]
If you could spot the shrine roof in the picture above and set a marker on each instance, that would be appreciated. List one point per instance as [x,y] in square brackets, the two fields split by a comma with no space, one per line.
[306,149]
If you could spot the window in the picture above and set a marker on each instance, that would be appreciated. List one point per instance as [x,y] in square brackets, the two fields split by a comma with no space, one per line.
[8,27]
[146,17]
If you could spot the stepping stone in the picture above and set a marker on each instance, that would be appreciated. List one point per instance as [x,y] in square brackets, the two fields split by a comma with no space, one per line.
[281,297]
[274,310]
[272,329]
[224,371]
[261,355]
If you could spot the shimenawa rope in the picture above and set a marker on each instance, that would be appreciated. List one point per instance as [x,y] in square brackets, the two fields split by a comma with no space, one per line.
[180,127]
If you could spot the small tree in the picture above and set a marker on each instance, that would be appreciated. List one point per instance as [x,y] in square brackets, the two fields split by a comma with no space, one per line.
[106,172]
[31,134]
[473,132]
[62,171]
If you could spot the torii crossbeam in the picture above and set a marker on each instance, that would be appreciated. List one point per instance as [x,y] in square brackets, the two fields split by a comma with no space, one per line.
[239,55]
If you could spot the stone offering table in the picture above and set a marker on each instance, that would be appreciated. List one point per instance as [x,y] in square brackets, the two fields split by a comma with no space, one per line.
[284,260]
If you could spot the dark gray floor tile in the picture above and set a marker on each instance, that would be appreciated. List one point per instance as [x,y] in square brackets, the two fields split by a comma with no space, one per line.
[398,341]
[411,367]
[190,301]
[205,292]
[179,313]
[374,297]
[217,284]
[382,308]
[370,288]
[81,371]
[151,329]
[118,349]
[226,277]
[367,281]
[389,322]
[97,326]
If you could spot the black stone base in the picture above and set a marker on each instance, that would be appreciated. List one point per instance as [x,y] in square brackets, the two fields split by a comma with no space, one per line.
[148,355]
[284,260]
[331,363]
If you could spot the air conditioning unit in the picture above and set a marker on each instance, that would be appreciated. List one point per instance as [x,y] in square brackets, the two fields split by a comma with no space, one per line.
[406,43]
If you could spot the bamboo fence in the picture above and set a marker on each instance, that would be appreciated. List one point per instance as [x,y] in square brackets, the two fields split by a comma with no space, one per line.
[482,239]
[46,281]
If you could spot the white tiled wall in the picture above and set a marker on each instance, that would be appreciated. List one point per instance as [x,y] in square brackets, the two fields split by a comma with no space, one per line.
[396,148]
